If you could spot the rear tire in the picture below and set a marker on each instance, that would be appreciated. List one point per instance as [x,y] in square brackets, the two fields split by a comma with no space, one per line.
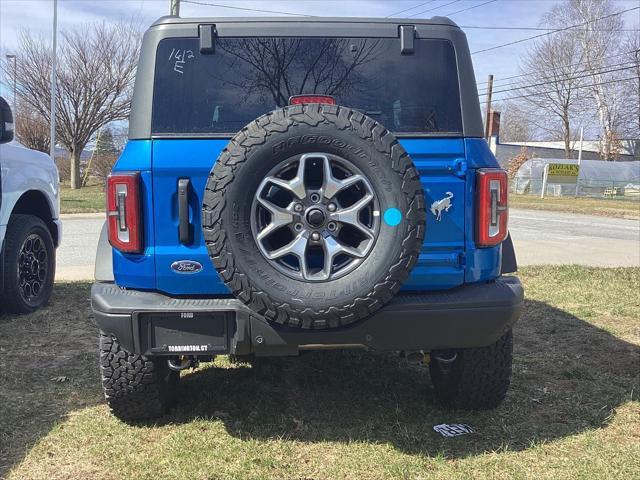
[29,264]
[135,387]
[478,378]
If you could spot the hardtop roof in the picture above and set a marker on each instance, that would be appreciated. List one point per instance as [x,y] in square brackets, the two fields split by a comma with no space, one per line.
[348,27]
[435,21]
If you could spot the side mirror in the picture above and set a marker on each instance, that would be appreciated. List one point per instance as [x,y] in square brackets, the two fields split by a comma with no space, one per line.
[6,122]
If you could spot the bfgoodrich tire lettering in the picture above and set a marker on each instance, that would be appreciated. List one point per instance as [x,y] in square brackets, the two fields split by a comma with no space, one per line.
[243,165]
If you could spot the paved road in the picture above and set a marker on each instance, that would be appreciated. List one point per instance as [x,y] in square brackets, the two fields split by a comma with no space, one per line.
[540,238]
[77,252]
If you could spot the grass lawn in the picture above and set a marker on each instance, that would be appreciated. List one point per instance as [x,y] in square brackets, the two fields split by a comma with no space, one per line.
[591,206]
[572,411]
[89,199]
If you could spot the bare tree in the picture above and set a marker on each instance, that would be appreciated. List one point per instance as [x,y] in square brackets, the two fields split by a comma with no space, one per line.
[553,79]
[599,37]
[282,68]
[32,129]
[516,124]
[96,68]
[631,106]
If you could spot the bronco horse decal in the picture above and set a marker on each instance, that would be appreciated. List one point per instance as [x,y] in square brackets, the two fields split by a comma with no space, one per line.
[439,205]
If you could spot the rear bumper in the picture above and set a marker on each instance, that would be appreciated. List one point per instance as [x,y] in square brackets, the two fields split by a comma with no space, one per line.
[150,323]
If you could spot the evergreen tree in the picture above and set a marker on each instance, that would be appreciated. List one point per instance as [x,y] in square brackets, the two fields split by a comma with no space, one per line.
[105,145]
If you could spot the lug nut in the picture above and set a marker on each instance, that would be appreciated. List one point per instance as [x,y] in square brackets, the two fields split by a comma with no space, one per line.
[331,207]
[298,207]
[315,236]
[298,227]
[315,198]
[332,226]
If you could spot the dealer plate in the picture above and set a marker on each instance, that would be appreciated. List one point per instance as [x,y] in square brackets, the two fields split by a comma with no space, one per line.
[185,333]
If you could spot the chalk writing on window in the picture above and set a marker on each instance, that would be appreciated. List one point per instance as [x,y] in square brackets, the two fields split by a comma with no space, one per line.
[180,58]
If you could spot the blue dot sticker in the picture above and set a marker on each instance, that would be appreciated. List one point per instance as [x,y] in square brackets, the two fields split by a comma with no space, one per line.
[392,217]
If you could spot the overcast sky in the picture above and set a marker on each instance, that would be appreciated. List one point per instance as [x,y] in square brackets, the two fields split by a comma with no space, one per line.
[37,15]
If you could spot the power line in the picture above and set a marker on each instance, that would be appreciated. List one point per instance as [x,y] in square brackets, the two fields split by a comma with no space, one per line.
[555,31]
[581,86]
[434,8]
[586,71]
[470,8]
[541,84]
[562,66]
[196,2]
[542,29]
[246,9]
[407,9]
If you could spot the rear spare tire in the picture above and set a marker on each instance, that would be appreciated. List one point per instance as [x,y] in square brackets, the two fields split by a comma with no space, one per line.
[314,215]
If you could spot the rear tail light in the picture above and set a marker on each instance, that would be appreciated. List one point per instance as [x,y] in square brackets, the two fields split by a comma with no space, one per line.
[302,99]
[493,207]
[123,212]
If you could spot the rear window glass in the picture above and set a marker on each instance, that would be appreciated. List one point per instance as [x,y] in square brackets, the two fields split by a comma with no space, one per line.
[247,77]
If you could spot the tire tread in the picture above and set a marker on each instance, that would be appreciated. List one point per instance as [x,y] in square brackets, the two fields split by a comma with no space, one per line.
[135,387]
[225,170]
[479,378]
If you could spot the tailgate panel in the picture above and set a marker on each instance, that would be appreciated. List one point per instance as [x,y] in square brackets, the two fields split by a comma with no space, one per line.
[172,160]
[440,163]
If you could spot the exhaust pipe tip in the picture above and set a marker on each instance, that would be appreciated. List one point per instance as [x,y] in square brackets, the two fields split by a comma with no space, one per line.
[445,360]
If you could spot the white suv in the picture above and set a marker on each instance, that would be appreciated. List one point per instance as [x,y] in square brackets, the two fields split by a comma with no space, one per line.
[30,229]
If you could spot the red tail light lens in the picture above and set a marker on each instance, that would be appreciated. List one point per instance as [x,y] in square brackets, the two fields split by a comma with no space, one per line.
[493,208]
[302,99]
[123,212]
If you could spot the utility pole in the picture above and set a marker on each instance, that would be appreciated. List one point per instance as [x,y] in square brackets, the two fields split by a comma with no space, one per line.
[579,158]
[53,82]
[580,145]
[12,56]
[175,8]
[488,112]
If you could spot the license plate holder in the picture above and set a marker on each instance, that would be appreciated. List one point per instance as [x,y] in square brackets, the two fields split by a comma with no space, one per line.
[185,333]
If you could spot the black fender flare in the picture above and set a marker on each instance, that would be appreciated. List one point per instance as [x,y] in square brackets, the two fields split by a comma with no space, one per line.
[509,261]
[104,257]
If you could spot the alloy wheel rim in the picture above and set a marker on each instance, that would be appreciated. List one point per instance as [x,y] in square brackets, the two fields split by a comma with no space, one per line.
[33,267]
[315,217]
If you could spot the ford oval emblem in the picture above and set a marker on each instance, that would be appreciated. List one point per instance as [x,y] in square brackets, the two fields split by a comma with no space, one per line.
[186,266]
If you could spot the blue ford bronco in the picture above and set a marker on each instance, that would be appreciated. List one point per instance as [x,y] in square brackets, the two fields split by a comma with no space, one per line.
[305,184]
